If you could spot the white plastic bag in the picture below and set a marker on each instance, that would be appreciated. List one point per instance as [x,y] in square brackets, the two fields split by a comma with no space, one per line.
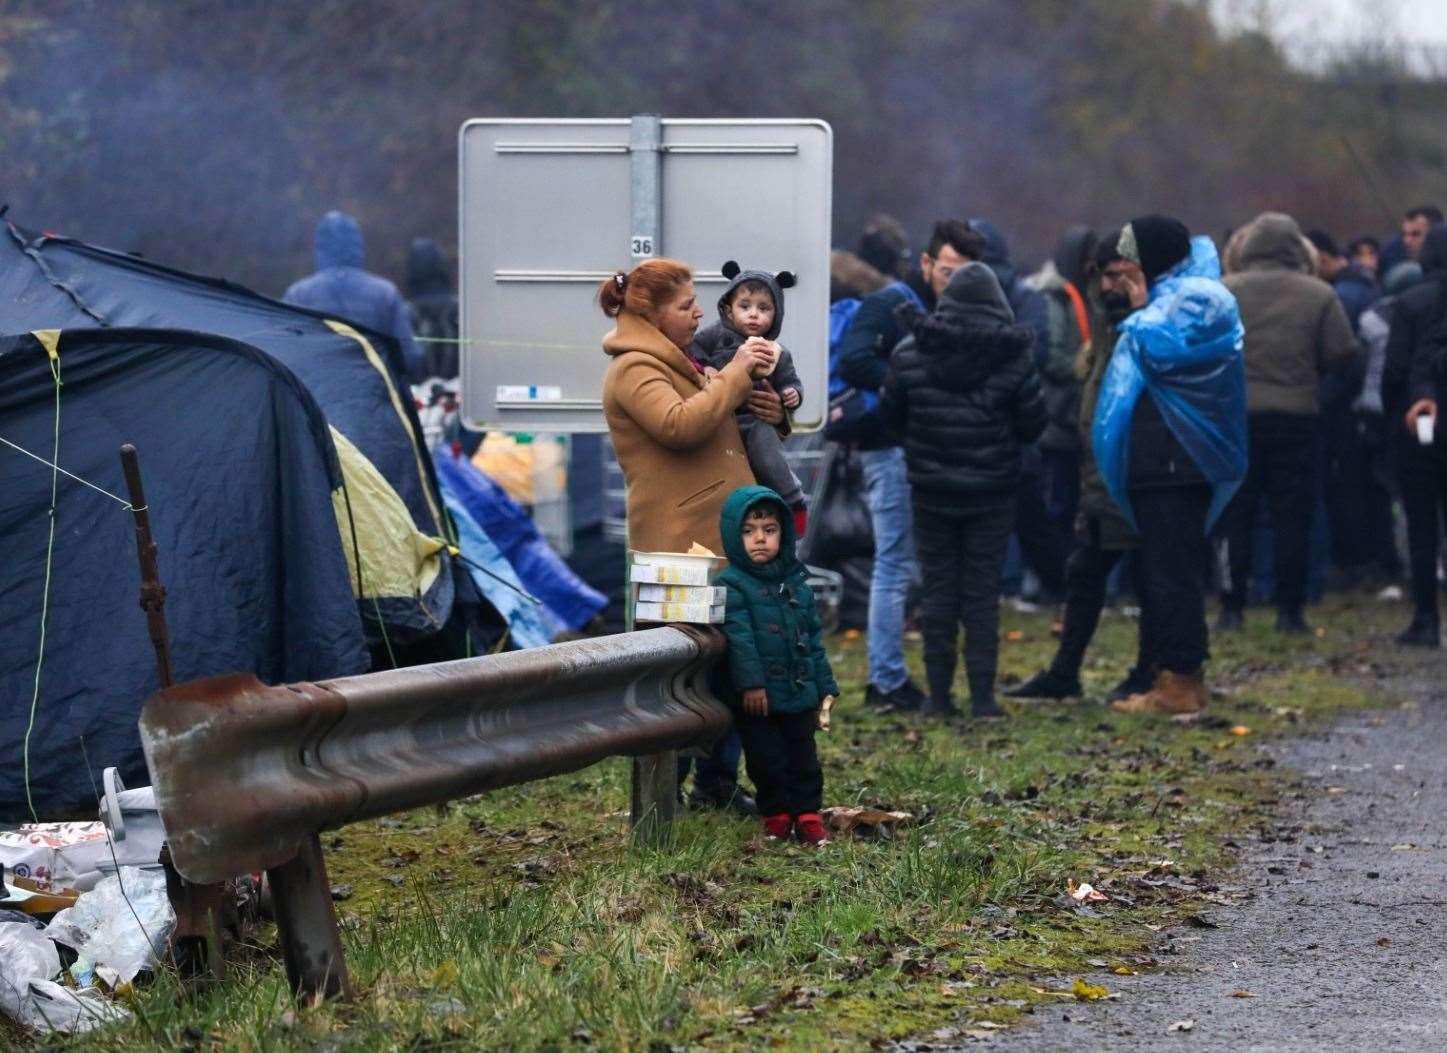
[52,1007]
[123,924]
[26,954]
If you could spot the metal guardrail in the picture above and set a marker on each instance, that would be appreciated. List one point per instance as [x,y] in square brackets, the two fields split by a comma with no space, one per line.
[247,775]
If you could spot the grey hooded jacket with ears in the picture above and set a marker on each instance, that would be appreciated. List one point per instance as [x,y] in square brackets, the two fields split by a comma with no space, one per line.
[715,345]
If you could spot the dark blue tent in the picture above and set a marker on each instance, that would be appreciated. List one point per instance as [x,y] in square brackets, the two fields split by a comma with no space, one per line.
[50,282]
[240,469]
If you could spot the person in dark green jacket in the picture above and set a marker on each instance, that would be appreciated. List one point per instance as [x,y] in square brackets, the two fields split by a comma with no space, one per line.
[778,671]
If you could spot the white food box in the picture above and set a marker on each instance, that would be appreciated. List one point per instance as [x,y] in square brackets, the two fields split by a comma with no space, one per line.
[708,594]
[675,568]
[698,613]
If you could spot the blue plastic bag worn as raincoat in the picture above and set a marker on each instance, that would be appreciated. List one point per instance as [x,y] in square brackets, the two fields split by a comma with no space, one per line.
[1184,349]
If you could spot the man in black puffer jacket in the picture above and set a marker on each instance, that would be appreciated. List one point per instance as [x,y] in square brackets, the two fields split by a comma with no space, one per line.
[963,395]
[1411,388]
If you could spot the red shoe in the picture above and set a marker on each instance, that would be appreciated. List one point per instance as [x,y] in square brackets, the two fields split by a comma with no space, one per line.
[778,825]
[801,523]
[809,828]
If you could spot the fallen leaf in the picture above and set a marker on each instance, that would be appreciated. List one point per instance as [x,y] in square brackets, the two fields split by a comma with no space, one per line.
[1242,994]
[1182,1025]
[1123,970]
[1405,846]
[1240,729]
[1384,942]
[1015,635]
[1088,992]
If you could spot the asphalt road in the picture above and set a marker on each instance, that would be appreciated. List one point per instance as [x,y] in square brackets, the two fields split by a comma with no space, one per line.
[1344,941]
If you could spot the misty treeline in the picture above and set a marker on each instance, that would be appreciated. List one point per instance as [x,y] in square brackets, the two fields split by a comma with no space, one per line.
[211,134]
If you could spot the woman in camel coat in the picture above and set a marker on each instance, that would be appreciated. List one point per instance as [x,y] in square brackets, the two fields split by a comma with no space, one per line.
[672,425]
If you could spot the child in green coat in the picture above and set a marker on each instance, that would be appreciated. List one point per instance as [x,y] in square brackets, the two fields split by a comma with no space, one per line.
[779,673]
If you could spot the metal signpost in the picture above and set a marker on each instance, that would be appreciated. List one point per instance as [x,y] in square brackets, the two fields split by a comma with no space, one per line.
[549,208]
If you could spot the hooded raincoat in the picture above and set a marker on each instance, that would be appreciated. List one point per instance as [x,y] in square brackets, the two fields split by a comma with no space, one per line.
[343,289]
[773,628]
[1183,350]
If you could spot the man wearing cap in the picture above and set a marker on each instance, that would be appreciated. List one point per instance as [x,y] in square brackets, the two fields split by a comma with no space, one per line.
[1170,438]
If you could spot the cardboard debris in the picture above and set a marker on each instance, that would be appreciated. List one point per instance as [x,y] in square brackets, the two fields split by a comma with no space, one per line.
[866,822]
[1085,892]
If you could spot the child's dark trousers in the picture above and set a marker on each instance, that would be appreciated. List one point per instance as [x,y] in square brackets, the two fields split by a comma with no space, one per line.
[782,762]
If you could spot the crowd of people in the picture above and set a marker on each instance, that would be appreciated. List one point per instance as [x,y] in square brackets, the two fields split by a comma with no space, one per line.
[1145,415]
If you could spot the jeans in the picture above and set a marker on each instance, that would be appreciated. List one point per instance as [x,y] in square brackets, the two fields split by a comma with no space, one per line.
[782,761]
[886,485]
[1174,558]
[961,555]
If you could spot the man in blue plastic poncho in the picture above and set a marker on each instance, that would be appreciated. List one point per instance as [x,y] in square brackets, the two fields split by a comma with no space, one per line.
[1170,439]
[342,289]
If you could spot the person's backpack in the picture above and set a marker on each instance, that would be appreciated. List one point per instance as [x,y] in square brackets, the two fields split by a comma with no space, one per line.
[853,413]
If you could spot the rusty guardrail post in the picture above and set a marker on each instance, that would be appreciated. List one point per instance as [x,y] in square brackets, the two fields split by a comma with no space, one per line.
[247,775]
[654,804]
[306,923]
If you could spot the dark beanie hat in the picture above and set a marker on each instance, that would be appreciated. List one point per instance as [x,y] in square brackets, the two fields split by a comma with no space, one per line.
[1157,243]
[1107,250]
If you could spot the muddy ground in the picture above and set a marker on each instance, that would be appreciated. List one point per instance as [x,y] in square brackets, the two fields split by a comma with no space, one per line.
[1340,935]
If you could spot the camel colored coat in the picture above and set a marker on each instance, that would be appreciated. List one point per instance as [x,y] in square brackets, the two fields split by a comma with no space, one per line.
[675,436]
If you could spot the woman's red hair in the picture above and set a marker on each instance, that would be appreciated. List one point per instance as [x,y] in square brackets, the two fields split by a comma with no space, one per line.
[645,290]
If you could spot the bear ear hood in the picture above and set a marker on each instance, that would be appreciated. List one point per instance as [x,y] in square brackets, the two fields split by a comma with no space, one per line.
[777,283]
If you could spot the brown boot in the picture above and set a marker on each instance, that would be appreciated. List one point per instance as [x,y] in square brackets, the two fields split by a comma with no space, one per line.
[1172,693]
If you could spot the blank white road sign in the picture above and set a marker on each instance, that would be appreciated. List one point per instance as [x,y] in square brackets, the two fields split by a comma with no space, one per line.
[548,211]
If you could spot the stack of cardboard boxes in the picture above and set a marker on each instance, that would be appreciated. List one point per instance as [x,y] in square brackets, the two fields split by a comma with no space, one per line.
[676,587]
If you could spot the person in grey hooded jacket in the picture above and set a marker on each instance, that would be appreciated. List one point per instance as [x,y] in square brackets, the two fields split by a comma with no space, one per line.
[715,346]
[1296,334]
[963,395]
[342,288]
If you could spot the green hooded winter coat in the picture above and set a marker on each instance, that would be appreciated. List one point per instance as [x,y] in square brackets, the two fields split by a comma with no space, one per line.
[772,625]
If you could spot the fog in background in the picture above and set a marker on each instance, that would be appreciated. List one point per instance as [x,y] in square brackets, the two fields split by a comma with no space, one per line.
[211,135]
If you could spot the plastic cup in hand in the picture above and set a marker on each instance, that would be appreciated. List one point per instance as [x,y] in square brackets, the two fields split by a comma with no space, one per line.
[1426,427]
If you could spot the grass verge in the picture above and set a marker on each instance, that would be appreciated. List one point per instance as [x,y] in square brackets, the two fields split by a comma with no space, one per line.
[522,921]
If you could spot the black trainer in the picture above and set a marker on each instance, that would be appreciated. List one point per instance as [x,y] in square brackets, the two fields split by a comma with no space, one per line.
[1425,631]
[906,698]
[725,800]
[1046,684]
[1137,682]
[1230,620]
[986,709]
[942,710]
[1291,621]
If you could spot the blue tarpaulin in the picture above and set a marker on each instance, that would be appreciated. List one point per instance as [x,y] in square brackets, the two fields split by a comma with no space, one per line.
[1183,349]
[569,599]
